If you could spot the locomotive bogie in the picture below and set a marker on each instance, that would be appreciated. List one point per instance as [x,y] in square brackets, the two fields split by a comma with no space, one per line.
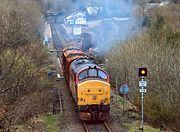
[94,112]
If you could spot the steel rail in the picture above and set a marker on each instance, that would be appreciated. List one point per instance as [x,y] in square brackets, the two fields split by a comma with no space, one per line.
[85,126]
[107,127]
[104,125]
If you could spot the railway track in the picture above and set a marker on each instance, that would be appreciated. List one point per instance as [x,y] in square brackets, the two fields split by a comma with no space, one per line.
[60,37]
[103,127]
[57,101]
[58,106]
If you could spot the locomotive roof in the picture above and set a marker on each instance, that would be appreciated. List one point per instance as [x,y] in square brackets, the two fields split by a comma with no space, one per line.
[72,45]
[79,64]
[77,56]
[73,52]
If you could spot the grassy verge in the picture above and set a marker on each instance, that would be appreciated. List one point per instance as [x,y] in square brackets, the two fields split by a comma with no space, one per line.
[131,118]
[51,122]
[134,127]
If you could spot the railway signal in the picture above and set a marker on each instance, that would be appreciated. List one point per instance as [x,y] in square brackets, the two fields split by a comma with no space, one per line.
[142,83]
[142,72]
[142,90]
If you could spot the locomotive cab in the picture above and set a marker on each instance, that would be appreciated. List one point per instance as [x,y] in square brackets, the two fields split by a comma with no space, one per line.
[90,87]
[93,87]
[93,93]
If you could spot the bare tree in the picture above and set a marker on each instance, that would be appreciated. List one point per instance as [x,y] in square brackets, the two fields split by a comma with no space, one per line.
[23,61]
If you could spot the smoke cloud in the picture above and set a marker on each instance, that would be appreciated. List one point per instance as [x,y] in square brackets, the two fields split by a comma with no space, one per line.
[57,5]
[113,20]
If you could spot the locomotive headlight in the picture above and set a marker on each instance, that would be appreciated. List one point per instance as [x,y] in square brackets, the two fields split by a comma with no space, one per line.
[106,99]
[81,99]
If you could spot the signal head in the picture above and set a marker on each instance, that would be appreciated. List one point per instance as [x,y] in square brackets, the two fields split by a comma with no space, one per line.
[142,71]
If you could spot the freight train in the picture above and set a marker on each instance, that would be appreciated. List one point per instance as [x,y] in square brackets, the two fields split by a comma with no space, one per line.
[88,83]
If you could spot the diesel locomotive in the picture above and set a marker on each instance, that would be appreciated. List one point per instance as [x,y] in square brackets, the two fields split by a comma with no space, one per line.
[88,83]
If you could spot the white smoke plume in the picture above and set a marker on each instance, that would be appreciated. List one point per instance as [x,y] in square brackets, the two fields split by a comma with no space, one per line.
[115,17]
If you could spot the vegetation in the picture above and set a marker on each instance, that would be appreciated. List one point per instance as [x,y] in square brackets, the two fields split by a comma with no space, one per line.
[157,48]
[24,89]
[135,127]
[51,122]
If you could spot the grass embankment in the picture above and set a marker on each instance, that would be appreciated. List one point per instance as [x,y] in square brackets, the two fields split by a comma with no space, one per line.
[129,115]
[134,127]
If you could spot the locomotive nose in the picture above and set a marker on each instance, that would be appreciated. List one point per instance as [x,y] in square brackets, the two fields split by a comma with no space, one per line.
[96,93]
[95,96]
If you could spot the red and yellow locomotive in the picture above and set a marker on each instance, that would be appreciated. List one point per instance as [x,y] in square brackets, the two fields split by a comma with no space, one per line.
[88,83]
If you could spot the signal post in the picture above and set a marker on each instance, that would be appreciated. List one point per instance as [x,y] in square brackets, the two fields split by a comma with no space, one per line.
[142,72]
